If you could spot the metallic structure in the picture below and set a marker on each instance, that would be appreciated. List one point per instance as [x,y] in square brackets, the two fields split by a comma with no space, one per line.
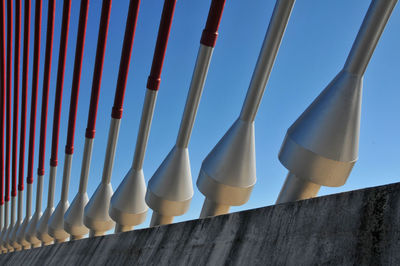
[228,173]
[3,226]
[32,230]
[73,219]
[43,228]
[56,221]
[128,207]
[96,216]
[170,189]
[321,147]
[23,230]
[24,102]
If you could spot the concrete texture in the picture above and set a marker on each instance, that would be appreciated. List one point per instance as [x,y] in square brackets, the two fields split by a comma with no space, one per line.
[354,228]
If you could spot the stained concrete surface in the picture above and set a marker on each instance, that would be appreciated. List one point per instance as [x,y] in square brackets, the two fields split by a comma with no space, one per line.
[354,228]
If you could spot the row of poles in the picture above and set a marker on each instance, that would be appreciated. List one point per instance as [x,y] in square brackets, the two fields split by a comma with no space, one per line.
[319,149]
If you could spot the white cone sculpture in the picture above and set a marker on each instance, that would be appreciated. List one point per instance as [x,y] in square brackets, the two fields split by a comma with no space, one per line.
[228,173]
[21,234]
[73,219]
[321,147]
[170,189]
[128,207]
[96,216]
[32,230]
[43,228]
[56,221]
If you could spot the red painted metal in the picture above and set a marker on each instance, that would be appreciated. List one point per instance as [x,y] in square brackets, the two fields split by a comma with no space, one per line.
[80,44]
[125,59]
[3,93]
[210,32]
[17,54]
[46,84]
[153,82]
[24,99]
[60,81]
[8,85]
[35,84]
[98,68]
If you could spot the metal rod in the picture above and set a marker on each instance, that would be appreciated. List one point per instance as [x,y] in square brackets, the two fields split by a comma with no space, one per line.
[8,122]
[56,223]
[175,198]
[266,59]
[368,36]
[126,210]
[32,227]
[96,216]
[73,222]
[32,125]
[43,229]
[2,114]
[228,173]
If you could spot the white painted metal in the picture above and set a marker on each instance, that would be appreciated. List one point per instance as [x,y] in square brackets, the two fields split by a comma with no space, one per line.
[21,230]
[8,240]
[43,227]
[4,229]
[96,216]
[30,234]
[128,207]
[170,189]
[321,147]
[73,218]
[14,241]
[56,221]
[228,173]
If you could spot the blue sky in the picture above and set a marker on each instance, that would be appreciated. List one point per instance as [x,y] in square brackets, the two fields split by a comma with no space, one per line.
[317,40]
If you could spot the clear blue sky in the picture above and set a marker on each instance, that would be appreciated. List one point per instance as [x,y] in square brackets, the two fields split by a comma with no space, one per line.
[314,48]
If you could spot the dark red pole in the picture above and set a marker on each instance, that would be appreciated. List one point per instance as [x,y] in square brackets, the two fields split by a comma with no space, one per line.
[46,84]
[3,94]
[24,100]
[9,76]
[35,84]
[210,32]
[98,68]
[69,148]
[153,82]
[60,81]
[16,96]
[125,59]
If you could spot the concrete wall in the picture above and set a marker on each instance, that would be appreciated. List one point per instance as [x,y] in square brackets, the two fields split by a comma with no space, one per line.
[354,228]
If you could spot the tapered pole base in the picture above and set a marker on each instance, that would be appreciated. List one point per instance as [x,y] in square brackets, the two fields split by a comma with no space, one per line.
[296,188]
[159,219]
[211,208]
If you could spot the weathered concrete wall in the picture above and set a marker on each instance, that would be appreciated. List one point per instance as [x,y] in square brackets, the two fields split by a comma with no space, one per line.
[354,228]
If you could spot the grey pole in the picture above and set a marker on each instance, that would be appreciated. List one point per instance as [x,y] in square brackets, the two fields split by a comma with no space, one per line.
[28,214]
[170,189]
[321,147]
[228,173]
[5,227]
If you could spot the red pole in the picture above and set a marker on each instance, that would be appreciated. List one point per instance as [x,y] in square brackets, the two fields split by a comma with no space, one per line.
[60,81]
[3,96]
[24,100]
[17,54]
[98,68]
[46,84]
[35,84]
[8,122]
[69,148]
[125,59]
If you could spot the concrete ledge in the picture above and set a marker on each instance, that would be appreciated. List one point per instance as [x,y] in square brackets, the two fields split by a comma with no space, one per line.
[354,228]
